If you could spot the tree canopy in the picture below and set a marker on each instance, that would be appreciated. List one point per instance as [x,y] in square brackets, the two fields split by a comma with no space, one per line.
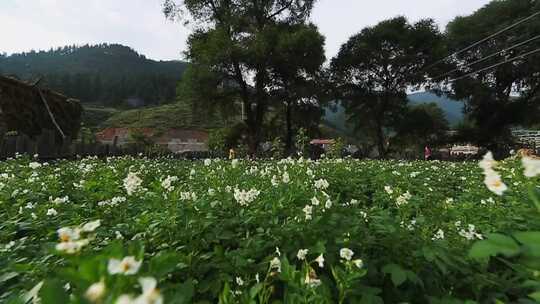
[506,95]
[242,51]
[375,68]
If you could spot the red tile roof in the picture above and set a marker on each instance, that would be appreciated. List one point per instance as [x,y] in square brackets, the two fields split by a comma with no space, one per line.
[110,133]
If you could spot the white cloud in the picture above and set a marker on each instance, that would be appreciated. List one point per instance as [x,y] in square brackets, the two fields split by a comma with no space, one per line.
[42,24]
[340,19]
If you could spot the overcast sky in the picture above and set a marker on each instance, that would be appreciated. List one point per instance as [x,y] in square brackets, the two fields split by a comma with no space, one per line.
[42,24]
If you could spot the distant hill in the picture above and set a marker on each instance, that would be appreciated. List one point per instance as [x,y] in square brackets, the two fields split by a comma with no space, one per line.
[335,116]
[452,109]
[175,115]
[108,74]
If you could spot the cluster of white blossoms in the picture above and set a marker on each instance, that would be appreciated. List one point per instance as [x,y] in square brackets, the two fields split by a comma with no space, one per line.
[301,254]
[388,190]
[470,234]
[168,181]
[285,178]
[70,238]
[321,184]
[274,181]
[486,201]
[34,165]
[188,196]
[492,179]
[207,162]
[132,183]
[112,202]
[244,197]
[275,264]
[59,200]
[308,212]
[409,226]
[403,199]
[439,235]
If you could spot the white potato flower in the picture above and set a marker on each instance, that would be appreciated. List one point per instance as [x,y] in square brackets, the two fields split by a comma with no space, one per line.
[321,184]
[150,293]
[239,281]
[244,197]
[67,234]
[275,264]
[132,183]
[126,266]
[488,163]
[34,165]
[308,212]
[71,247]
[494,183]
[285,178]
[320,260]
[358,263]
[96,291]
[51,212]
[302,253]
[91,226]
[346,253]
[328,204]
[531,165]
[439,235]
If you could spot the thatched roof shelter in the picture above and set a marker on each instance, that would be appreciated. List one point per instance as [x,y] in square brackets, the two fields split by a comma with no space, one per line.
[29,109]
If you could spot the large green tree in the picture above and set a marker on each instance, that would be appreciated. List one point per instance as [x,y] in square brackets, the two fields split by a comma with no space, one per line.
[421,125]
[509,94]
[298,78]
[376,67]
[238,47]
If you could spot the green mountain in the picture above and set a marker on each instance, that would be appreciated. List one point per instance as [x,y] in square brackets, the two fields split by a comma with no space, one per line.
[106,74]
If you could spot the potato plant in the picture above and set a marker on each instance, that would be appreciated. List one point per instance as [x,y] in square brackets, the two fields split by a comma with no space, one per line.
[138,230]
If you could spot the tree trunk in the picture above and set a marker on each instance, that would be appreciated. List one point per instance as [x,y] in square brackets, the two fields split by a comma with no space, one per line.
[380,139]
[289,136]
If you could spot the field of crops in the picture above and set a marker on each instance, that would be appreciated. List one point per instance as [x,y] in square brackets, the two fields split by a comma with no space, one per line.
[136,230]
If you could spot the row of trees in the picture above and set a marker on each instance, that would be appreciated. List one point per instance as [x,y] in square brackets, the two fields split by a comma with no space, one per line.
[268,57]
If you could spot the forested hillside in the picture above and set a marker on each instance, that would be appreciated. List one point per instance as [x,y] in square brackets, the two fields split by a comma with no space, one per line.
[108,74]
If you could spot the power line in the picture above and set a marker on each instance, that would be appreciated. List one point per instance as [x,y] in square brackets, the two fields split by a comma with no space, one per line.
[489,57]
[522,56]
[483,40]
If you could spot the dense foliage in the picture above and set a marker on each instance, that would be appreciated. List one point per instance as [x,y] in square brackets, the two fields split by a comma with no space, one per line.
[110,74]
[293,231]
[374,69]
[501,97]
[256,53]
